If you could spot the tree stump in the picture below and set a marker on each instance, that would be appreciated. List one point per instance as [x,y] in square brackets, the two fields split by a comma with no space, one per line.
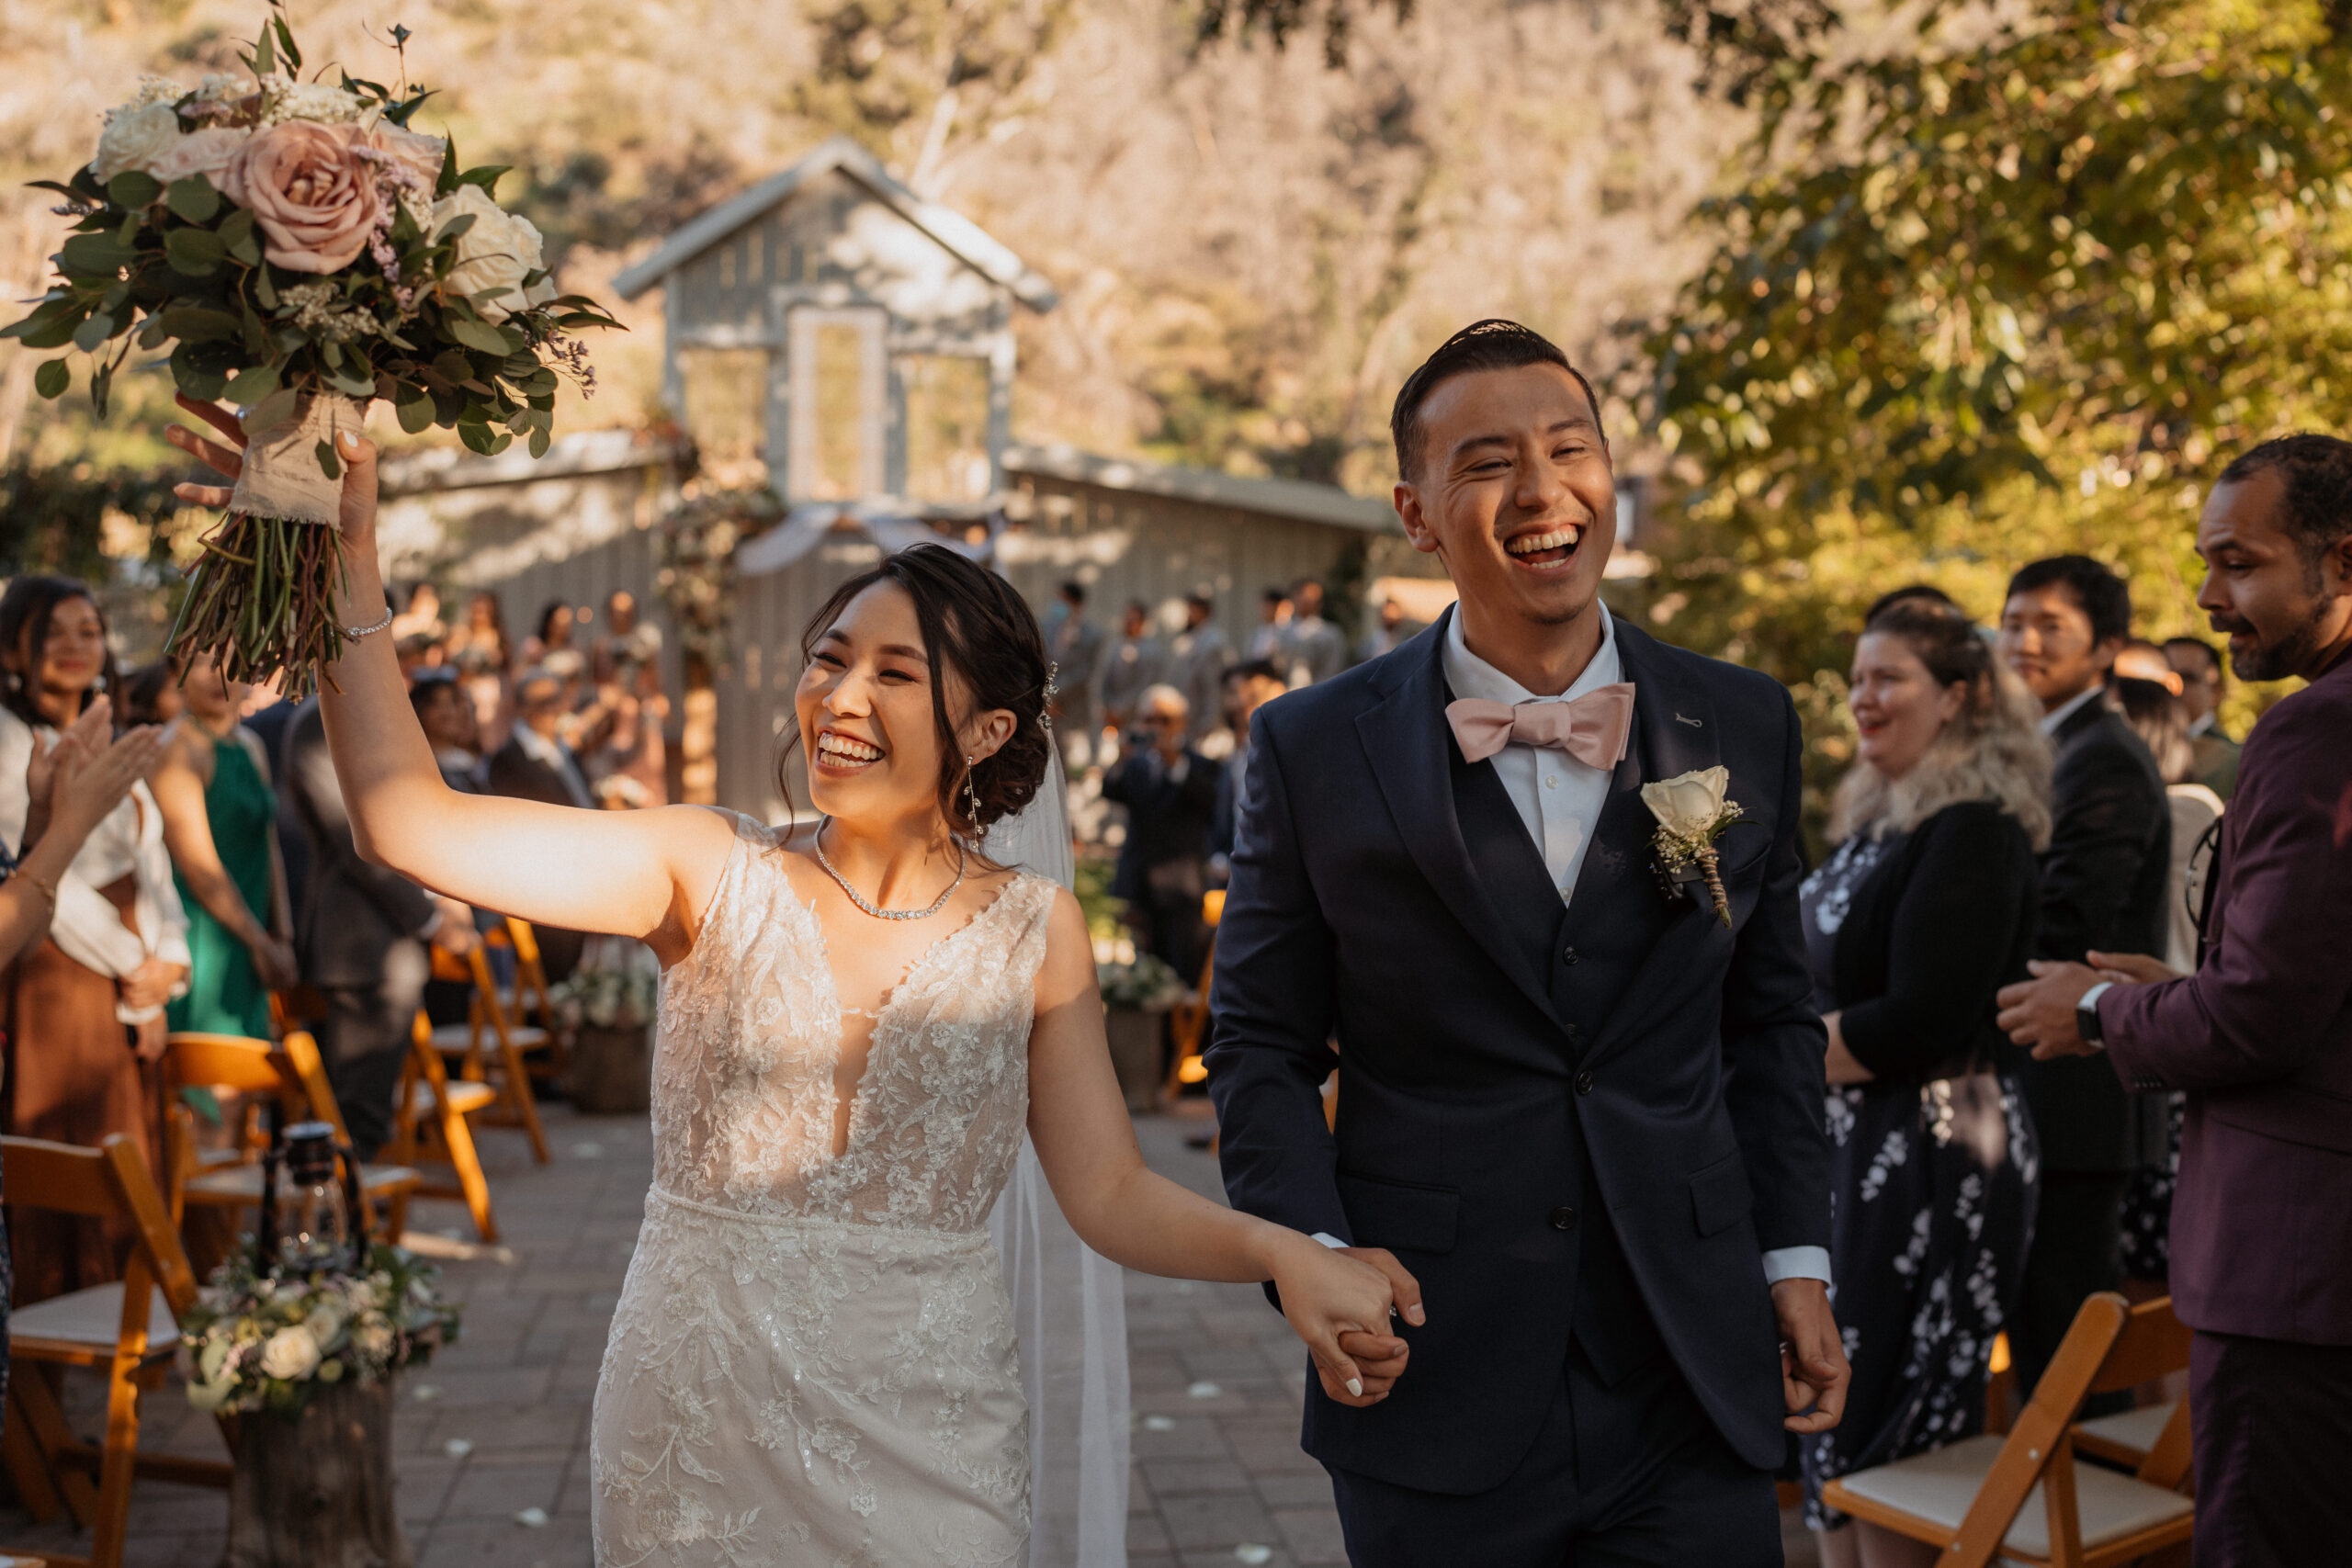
[611,1070]
[316,1491]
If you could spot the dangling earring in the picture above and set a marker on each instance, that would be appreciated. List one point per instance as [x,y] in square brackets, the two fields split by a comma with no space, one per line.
[971,794]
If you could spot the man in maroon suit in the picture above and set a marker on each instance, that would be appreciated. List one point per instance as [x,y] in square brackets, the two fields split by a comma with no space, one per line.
[2260,1037]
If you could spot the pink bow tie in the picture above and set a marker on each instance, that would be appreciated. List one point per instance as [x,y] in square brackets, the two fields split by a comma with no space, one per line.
[1593,728]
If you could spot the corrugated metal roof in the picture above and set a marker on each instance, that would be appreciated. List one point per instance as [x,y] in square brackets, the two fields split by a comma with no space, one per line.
[980,250]
[1300,498]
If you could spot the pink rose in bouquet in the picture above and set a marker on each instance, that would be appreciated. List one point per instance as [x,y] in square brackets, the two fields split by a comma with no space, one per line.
[314,200]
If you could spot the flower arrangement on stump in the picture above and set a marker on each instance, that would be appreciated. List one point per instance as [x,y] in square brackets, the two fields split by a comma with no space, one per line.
[304,253]
[256,1340]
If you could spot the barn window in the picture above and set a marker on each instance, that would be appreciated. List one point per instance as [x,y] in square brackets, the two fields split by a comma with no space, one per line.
[726,409]
[837,405]
[947,427]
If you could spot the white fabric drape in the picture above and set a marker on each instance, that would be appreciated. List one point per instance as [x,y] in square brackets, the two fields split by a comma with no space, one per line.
[1068,1302]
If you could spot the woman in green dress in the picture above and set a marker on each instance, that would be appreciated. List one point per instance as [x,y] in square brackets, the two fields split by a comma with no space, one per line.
[220,823]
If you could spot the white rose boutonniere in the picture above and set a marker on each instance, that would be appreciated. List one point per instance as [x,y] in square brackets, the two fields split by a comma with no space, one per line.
[1693,813]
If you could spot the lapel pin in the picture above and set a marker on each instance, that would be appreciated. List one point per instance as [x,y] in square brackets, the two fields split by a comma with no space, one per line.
[1683,718]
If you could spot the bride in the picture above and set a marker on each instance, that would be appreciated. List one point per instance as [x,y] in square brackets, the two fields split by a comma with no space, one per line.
[813,1360]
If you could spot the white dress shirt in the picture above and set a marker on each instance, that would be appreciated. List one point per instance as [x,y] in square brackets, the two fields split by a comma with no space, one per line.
[2066,710]
[1559,800]
[1559,797]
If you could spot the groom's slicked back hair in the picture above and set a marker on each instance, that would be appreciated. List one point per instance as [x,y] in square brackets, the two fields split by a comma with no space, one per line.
[1491,344]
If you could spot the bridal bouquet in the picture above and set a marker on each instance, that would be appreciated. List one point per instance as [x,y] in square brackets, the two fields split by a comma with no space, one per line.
[302,251]
[256,1341]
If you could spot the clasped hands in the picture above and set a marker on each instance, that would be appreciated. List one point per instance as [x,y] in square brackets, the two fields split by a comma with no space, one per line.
[1329,1300]
[2040,1014]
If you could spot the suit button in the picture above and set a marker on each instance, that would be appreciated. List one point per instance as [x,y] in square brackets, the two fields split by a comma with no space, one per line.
[1569,956]
[1584,1083]
[1571,1029]
[1564,1218]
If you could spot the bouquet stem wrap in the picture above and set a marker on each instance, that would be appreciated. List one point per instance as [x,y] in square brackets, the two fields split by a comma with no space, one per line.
[282,477]
[261,597]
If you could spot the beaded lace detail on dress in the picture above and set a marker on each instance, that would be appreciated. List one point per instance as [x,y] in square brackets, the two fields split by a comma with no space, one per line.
[812,1359]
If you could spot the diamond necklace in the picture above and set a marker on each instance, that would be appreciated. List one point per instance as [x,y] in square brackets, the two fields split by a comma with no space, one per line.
[855,898]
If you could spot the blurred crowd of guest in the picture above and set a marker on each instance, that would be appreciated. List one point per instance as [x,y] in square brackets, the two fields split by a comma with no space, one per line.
[1156,718]
[177,878]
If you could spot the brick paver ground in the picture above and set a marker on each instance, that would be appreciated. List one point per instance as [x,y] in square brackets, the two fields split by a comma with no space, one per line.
[498,1425]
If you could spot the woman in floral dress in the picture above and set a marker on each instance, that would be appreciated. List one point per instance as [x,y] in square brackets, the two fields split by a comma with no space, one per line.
[1923,912]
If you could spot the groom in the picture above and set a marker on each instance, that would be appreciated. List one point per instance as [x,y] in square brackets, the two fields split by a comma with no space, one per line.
[1584,1112]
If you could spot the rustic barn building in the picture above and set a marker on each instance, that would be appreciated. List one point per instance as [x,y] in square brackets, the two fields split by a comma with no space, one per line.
[835,336]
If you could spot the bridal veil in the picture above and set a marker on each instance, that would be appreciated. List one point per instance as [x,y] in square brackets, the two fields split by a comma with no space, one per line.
[1068,1305]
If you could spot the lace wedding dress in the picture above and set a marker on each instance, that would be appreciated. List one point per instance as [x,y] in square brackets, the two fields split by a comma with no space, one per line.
[813,1358]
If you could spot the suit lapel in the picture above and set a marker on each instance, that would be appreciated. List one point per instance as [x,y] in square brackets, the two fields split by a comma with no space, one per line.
[1674,732]
[1412,752]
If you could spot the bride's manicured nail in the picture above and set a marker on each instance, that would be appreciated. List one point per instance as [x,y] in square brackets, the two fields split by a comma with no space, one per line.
[1355,1386]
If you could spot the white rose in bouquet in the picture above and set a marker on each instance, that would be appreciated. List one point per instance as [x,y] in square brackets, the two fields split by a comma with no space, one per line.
[134,137]
[495,252]
[290,1354]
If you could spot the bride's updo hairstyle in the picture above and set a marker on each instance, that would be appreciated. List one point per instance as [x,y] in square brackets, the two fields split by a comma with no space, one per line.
[977,627]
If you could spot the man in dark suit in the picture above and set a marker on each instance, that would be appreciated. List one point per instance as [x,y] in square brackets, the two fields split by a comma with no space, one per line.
[1581,1106]
[2199,665]
[361,939]
[535,764]
[2260,1037]
[1170,791]
[2103,882]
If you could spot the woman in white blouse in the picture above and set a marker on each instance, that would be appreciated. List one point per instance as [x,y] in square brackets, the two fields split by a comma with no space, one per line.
[84,1008]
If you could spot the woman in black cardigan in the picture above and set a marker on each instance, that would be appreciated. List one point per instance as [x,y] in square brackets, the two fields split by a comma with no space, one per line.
[1923,912]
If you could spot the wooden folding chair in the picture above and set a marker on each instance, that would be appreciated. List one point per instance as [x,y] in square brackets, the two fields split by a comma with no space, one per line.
[295,1076]
[2136,1439]
[2021,1497]
[129,1330]
[430,1122]
[1188,1020]
[487,1031]
[528,995]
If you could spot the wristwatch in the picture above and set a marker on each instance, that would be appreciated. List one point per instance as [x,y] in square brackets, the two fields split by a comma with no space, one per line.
[2087,1014]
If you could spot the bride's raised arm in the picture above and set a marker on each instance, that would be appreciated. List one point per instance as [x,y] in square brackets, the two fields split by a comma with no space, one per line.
[640,873]
[1338,1302]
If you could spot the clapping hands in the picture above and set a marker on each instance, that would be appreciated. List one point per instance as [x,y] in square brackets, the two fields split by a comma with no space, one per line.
[73,784]
[1339,1301]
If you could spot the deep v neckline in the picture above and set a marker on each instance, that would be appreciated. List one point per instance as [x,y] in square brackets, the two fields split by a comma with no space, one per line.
[879,1019]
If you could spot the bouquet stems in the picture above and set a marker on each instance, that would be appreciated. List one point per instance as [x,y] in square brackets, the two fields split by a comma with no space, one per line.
[262,599]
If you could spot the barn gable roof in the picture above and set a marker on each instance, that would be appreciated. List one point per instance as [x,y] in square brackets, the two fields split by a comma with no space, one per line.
[966,240]
[1299,498]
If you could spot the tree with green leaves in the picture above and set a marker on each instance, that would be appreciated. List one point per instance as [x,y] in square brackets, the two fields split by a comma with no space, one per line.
[1995,285]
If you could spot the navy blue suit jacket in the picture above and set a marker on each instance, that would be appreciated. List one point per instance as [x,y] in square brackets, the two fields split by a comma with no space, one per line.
[1502,1060]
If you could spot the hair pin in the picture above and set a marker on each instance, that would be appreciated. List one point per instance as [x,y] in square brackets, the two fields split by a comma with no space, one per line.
[1053,690]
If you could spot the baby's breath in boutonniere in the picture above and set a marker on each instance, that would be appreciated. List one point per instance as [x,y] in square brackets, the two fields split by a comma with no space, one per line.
[1691,815]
